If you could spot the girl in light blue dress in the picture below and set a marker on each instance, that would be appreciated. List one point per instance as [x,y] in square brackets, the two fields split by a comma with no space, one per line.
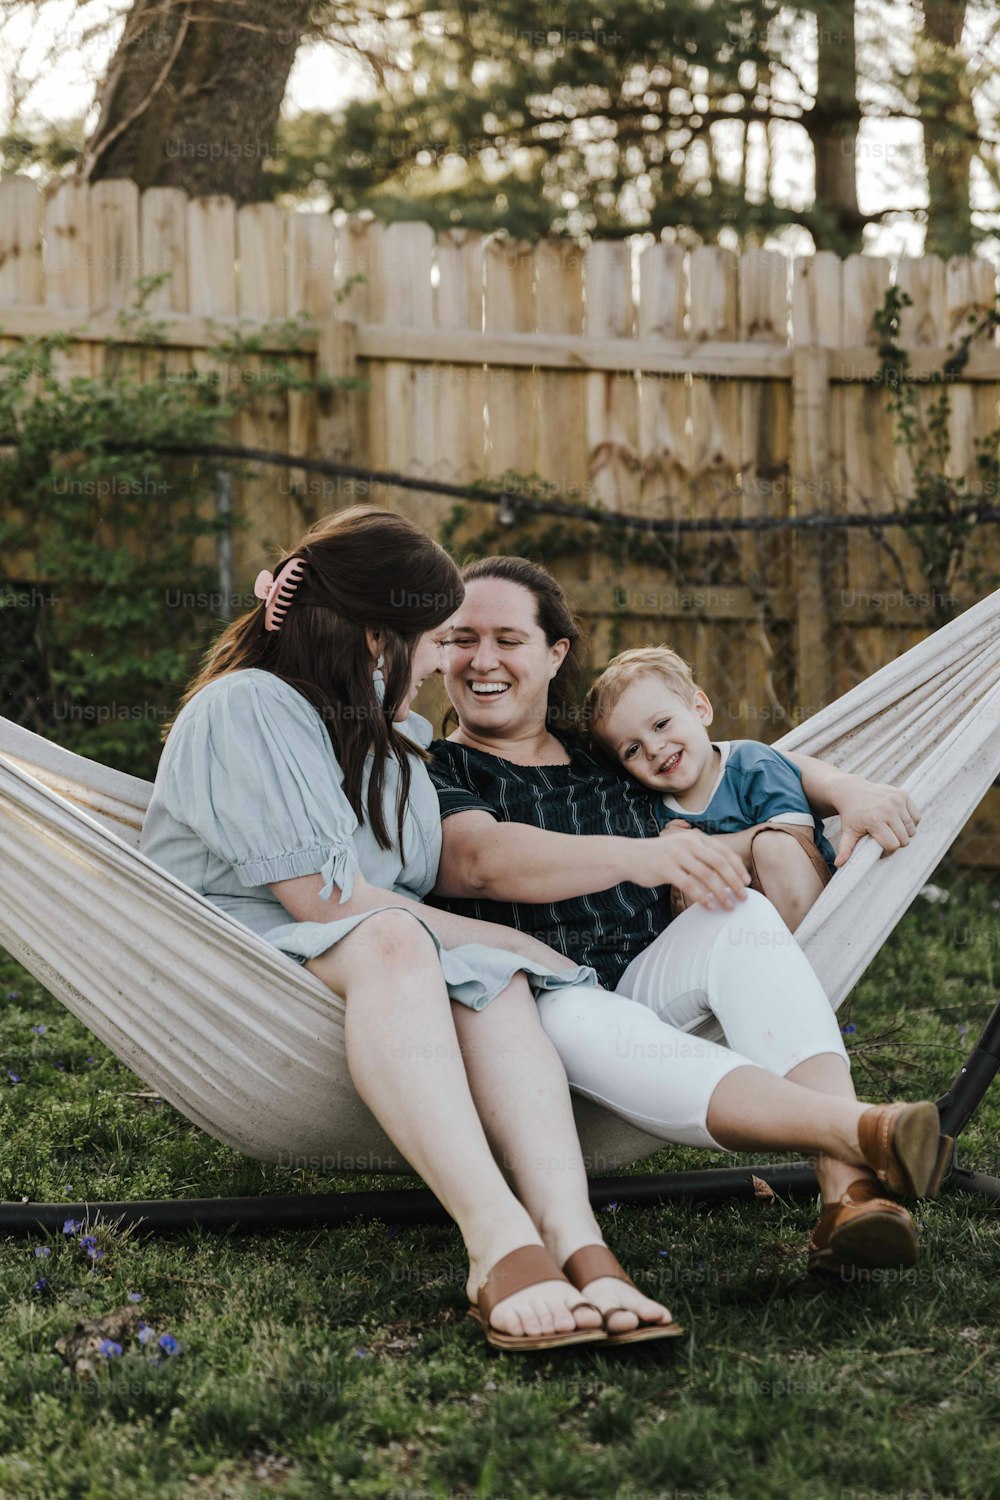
[293,793]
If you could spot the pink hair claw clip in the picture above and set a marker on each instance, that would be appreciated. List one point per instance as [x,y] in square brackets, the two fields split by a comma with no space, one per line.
[278,591]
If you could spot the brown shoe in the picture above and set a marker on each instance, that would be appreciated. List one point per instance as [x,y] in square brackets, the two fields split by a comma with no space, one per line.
[590,1262]
[902,1145]
[524,1267]
[862,1230]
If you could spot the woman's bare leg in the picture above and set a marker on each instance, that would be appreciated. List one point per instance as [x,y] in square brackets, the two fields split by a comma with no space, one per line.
[751,1109]
[826,1074]
[406,1064]
[522,1098]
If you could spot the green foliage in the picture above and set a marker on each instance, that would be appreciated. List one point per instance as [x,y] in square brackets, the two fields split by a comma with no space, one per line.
[119,543]
[922,433]
[340,1362]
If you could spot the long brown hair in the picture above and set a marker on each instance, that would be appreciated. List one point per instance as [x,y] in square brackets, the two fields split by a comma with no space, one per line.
[367,568]
[555,619]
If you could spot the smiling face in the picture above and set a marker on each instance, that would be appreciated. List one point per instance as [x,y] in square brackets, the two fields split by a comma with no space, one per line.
[497,663]
[661,738]
[426,660]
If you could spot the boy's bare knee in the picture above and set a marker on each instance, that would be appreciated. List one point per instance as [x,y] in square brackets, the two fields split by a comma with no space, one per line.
[777,848]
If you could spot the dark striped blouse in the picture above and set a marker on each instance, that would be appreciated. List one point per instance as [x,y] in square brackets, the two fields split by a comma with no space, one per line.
[607,929]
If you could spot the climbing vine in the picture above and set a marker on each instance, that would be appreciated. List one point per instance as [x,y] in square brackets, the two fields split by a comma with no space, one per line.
[943,543]
[114,552]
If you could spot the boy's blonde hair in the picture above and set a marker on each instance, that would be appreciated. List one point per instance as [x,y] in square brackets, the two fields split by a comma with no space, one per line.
[622,671]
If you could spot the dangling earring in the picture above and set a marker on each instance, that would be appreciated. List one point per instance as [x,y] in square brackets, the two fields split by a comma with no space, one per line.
[378,681]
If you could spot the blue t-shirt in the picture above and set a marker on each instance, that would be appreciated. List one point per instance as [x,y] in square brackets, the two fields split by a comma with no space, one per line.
[756,784]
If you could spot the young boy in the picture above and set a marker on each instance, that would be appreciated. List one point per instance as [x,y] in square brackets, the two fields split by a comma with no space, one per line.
[646,711]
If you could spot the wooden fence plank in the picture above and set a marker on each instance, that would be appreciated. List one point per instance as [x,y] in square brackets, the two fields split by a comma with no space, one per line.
[312,293]
[511,397]
[765,558]
[717,450]
[410,437]
[821,560]
[67,276]
[361,277]
[971,291]
[270,518]
[20,242]
[664,438]
[459,391]
[20,281]
[114,259]
[870,475]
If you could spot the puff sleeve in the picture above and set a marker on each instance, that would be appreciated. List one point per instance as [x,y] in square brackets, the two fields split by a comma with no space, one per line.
[253,774]
[770,787]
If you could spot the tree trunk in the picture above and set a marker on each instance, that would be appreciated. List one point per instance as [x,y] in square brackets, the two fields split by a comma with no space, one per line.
[833,124]
[192,95]
[950,131]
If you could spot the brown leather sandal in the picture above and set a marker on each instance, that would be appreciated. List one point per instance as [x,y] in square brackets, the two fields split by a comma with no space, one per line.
[862,1231]
[524,1267]
[590,1262]
[903,1145]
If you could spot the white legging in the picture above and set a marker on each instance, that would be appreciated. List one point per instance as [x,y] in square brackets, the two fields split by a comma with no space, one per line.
[636,1055]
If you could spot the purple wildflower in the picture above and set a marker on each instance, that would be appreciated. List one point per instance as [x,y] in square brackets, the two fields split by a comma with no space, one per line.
[42,1251]
[110,1349]
[168,1343]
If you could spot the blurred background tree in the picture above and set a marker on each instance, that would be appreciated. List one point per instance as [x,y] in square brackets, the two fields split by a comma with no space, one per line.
[813,124]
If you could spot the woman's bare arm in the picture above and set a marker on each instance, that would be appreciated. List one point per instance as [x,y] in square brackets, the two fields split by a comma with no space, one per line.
[301,899]
[484,858]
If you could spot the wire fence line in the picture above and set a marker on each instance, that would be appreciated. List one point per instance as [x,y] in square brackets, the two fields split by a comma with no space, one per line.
[532,505]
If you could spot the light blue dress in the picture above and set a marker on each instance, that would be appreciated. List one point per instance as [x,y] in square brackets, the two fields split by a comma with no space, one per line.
[249,791]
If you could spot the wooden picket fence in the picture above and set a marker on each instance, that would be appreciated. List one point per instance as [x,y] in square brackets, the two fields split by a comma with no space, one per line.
[631,374]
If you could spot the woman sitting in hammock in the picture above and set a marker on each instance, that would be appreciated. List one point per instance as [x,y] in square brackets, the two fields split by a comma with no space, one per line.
[540,835]
[293,793]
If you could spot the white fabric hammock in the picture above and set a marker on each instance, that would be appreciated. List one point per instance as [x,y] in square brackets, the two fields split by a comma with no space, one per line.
[251,1048]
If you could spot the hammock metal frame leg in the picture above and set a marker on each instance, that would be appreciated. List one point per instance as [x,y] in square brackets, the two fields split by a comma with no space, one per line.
[419,1206]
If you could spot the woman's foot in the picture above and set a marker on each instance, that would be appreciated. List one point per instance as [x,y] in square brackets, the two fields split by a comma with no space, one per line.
[541,1309]
[594,1269]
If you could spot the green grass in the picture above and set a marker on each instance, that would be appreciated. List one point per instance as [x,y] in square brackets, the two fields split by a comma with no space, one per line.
[338,1362]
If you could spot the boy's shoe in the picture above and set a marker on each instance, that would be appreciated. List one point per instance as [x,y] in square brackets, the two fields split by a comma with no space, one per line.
[860,1232]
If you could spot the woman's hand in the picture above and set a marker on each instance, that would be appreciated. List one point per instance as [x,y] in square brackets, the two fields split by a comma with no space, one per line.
[875,808]
[705,869]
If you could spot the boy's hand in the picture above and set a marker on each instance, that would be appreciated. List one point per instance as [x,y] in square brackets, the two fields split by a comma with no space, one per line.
[885,812]
[675,825]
